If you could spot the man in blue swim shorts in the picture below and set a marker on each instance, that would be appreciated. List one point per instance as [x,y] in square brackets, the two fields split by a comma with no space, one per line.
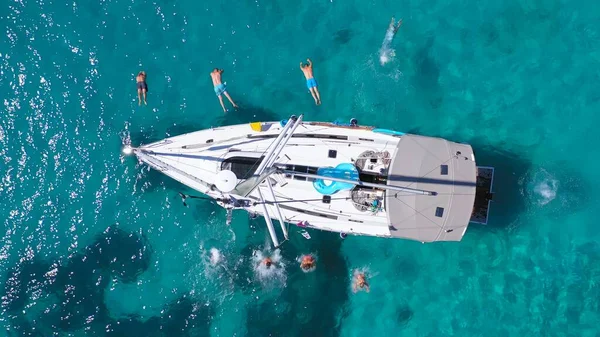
[220,88]
[142,87]
[311,83]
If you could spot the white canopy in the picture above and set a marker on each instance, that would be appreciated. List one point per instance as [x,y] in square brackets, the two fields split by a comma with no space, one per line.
[437,165]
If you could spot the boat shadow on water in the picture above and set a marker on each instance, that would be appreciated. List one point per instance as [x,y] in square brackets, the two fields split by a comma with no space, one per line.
[507,203]
[73,292]
[522,188]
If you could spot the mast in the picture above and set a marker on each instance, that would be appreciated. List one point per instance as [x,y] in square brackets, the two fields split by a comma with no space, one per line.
[274,146]
[268,161]
[268,221]
[278,210]
[284,142]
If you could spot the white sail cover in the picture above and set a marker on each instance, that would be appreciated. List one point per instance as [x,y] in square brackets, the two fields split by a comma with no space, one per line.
[437,165]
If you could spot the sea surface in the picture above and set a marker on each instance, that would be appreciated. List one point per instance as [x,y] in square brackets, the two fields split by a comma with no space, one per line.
[94,244]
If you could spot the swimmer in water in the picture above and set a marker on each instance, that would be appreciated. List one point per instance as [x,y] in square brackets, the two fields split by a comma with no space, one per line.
[311,83]
[307,262]
[360,281]
[142,87]
[386,53]
[267,262]
[220,88]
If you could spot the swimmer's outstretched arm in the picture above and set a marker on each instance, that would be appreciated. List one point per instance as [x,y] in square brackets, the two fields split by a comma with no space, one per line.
[300,65]
[309,62]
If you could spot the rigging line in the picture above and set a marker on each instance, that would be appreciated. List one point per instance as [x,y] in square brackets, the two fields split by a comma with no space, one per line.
[291,201]
[412,195]
[185,196]
[182,163]
[456,194]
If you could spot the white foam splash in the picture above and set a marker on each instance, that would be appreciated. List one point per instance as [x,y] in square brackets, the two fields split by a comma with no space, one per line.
[544,187]
[215,256]
[274,273]
[386,53]
[539,187]
[546,190]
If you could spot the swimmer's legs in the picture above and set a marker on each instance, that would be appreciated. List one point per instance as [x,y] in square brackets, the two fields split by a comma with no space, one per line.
[139,96]
[313,92]
[222,103]
[398,24]
[229,98]
[318,95]
[144,93]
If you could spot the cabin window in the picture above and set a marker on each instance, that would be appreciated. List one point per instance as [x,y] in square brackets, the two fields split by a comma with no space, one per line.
[243,167]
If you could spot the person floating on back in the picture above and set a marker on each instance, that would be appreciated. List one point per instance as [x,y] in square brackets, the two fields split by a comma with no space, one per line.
[142,87]
[386,53]
[311,83]
[220,88]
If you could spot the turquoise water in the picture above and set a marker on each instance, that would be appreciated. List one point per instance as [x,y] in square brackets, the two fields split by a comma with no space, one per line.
[95,244]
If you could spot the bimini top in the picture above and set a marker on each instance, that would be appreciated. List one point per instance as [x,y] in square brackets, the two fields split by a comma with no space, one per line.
[436,165]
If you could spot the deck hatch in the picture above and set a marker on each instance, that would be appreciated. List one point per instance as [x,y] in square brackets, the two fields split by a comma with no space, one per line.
[439,212]
[444,170]
[242,166]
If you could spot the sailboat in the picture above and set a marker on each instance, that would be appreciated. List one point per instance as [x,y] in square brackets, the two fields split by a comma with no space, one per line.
[346,178]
